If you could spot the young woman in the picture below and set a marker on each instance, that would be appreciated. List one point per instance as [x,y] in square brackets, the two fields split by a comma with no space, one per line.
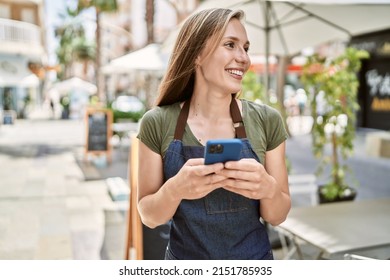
[215,211]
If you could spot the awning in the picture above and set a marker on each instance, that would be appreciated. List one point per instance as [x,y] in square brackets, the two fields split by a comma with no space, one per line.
[14,72]
[148,59]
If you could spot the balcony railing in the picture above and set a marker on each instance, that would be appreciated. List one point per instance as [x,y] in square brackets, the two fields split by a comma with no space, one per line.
[17,36]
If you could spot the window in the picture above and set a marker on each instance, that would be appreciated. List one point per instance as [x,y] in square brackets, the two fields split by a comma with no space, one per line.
[5,11]
[28,15]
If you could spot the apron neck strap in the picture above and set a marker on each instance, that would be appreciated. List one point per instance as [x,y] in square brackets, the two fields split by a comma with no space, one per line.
[234,112]
[182,120]
[237,119]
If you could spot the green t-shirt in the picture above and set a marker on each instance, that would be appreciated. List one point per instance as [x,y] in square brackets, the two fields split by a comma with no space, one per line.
[263,125]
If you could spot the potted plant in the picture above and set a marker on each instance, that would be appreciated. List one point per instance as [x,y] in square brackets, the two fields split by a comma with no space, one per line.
[333,84]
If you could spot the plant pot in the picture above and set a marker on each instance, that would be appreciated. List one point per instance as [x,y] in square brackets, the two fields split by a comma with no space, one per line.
[348,195]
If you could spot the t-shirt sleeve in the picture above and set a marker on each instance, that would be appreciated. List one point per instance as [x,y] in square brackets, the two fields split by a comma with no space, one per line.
[149,130]
[275,129]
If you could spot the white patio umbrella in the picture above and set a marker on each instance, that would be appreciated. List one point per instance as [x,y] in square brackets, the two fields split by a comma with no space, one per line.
[147,59]
[74,84]
[284,28]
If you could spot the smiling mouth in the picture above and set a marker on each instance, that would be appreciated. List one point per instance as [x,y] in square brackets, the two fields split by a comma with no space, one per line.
[235,72]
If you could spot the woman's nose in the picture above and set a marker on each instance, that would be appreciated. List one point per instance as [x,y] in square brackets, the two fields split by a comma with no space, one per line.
[242,56]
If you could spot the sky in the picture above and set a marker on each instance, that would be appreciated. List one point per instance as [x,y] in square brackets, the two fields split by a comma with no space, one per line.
[52,10]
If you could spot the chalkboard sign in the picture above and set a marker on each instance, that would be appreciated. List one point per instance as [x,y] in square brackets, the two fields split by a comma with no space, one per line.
[98,123]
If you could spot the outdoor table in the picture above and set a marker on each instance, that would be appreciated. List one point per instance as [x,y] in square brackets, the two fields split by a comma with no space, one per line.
[339,228]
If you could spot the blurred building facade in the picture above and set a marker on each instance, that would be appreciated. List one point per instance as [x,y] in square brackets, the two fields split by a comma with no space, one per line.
[22,54]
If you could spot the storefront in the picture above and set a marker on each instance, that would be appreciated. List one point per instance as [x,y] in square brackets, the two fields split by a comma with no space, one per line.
[374,77]
[18,85]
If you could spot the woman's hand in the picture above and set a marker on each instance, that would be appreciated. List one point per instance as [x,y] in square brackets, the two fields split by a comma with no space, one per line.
[249,178]
[195,180]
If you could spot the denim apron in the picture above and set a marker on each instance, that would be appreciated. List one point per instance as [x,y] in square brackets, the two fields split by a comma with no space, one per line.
[221,225]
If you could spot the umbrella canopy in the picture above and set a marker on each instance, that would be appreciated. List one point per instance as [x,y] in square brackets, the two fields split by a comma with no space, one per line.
[74,84]
[148,58]
[287,27]
[284,28]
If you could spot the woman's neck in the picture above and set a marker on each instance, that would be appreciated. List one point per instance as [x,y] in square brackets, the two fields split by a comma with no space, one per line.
[210,118]
[211,106]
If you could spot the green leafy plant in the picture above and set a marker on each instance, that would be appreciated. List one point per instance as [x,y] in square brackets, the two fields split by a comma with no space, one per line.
[134,116]
[130,116]
[333,84]
[252,88]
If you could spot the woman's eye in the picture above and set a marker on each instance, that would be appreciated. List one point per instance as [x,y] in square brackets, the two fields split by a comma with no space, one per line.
[230,44]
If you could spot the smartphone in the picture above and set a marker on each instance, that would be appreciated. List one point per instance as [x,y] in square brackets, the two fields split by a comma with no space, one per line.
[222,150]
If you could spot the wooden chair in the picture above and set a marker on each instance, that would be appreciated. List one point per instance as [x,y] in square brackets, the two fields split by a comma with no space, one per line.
[134,246]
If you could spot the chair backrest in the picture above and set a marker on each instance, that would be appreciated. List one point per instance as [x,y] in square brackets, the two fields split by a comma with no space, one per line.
[134,246]
[304,184]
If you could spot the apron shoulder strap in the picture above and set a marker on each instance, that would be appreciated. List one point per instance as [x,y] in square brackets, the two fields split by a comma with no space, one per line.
[237,119]
[182,120]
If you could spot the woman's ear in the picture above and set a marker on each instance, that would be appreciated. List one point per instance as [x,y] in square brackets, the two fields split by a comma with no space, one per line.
[197,62]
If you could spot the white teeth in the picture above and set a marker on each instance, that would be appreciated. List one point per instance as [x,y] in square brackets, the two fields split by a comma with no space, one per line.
[235,72]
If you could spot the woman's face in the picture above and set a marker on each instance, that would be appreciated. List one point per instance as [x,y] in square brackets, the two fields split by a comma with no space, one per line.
[223,69]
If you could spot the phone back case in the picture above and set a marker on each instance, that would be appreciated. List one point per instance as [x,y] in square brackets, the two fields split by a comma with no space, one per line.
[222,150]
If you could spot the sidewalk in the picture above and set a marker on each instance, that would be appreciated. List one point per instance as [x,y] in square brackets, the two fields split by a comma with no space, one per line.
[48,210]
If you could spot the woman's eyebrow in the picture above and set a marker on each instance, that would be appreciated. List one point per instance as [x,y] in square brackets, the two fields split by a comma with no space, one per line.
[234,38]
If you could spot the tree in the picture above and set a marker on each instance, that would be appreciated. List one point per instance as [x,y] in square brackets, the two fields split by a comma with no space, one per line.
[72,44]
[99,6]
[333,83]
[149,18]
[84,52]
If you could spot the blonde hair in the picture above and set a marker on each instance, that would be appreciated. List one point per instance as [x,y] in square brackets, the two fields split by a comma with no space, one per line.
[178,82]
